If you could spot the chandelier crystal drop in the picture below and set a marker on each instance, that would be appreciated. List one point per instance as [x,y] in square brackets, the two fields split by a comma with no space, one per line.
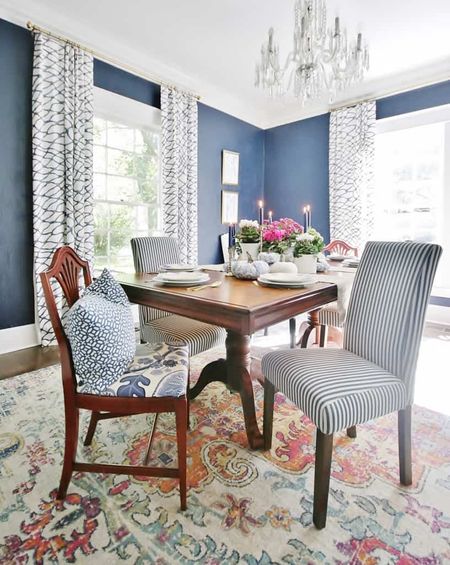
[322,59]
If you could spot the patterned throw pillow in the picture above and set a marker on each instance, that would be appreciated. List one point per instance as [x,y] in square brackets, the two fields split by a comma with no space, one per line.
[100,329]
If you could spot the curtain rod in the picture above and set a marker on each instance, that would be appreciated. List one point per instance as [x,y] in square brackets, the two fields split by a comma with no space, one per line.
[386,94]
[33,28]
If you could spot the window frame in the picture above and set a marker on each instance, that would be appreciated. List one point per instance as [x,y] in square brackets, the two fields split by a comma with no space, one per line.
[428,116]
[120,109]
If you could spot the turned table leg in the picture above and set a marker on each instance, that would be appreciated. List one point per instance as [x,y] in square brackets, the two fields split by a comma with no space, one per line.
[235,373]
[312,324]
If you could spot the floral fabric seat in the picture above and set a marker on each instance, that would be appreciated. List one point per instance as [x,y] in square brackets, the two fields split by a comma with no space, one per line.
[157,370]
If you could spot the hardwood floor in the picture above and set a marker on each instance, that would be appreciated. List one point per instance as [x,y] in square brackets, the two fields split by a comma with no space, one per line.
[26,360]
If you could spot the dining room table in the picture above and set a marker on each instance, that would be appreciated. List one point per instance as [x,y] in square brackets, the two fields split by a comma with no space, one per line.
[242,307]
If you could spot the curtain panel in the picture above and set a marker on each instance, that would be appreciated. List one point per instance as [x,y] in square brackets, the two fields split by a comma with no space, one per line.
[179,132]
[352,172]
[62,147]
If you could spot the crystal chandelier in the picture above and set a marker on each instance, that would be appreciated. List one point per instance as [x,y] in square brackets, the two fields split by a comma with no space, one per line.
[322,60]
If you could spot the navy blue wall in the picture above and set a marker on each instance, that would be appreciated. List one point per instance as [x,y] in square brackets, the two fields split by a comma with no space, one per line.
[296,170]
[217,131]
[16,238]
[121,82]
[414,100]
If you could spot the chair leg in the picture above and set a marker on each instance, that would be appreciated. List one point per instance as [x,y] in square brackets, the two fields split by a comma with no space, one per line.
[181,423]
[324,450]
[269,396]
[70,451]
[351,432]
[95,416]
[323,335]
[404,445]
[266,332]
[292,332]
[150,441]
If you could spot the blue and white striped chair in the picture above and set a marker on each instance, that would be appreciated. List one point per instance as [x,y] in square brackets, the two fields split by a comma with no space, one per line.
[374,373]
[157,326]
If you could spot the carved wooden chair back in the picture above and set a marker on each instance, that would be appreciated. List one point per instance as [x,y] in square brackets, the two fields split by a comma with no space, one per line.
[65,268]
[340,248]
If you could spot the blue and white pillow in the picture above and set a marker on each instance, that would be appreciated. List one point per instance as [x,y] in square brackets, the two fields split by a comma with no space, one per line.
[100,329]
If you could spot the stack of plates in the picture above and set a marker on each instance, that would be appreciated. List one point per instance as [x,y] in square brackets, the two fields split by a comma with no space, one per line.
[182,278]
[287,280]
[351,262]
[177,267]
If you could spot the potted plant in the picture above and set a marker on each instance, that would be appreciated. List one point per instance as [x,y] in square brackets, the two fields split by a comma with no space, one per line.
[279,236]
[248,239]
[307,246]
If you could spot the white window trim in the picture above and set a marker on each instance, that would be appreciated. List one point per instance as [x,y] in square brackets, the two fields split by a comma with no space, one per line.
[110,106]
[414,119]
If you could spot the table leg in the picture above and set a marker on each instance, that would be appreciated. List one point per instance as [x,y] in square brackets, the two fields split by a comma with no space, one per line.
[312,324]
[235,373]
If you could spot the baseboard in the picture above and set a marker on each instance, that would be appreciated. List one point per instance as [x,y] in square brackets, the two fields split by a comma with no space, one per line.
[20,337]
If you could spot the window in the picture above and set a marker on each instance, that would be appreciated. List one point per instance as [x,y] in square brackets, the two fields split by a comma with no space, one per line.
[413,182]
[126,177]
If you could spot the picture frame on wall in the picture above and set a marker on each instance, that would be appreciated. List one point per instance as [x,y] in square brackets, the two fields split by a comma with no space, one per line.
[230,206]
[230,167]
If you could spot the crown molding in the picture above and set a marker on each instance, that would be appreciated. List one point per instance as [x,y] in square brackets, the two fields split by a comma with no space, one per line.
[112,49]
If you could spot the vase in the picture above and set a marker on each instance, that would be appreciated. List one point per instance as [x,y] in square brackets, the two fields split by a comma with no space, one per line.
[251,248]
[306,264]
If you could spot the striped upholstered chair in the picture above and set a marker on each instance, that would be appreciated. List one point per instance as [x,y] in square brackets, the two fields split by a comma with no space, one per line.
[149,253]
[374,373]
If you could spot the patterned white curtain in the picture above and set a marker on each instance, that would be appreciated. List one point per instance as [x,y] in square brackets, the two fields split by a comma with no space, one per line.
[62,111]
[352,171]
[179,169]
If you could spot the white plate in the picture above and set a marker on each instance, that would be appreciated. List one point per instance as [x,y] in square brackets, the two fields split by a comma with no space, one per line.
[280,284]
[182,278]
[183,283]
[287,278]
[178,267]
[185,276]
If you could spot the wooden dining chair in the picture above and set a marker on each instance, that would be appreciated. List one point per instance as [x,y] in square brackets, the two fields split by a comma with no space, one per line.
[150,254]
[66,268]
[340,247]
[374,373]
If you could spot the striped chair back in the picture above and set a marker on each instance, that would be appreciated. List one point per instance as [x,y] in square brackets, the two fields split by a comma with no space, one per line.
[149,253]
[388,303]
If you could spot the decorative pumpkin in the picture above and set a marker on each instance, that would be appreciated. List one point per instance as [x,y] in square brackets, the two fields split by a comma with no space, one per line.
[283,267]
[269,258]
[249,270]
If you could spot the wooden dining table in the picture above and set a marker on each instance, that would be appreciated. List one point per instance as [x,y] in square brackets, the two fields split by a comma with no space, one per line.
[242,308]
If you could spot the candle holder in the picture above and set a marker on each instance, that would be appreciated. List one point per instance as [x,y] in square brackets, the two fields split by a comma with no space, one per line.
[231,258]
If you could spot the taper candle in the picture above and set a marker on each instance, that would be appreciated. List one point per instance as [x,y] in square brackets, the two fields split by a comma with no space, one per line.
[261,212]
[308,208]
[270,216]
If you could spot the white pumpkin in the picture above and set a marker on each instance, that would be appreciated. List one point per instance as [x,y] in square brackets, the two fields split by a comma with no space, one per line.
[283,267]
[249,270]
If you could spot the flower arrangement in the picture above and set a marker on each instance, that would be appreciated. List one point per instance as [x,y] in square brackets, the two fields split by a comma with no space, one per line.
[249,232]
[308,243]
[279,235]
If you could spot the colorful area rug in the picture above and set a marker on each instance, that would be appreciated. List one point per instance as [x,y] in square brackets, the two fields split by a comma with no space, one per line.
[243,507]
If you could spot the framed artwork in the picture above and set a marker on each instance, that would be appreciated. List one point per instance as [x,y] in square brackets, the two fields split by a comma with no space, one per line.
[230,167]
[230,203]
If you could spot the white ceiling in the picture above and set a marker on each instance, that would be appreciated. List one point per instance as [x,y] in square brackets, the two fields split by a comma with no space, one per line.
[211,46]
